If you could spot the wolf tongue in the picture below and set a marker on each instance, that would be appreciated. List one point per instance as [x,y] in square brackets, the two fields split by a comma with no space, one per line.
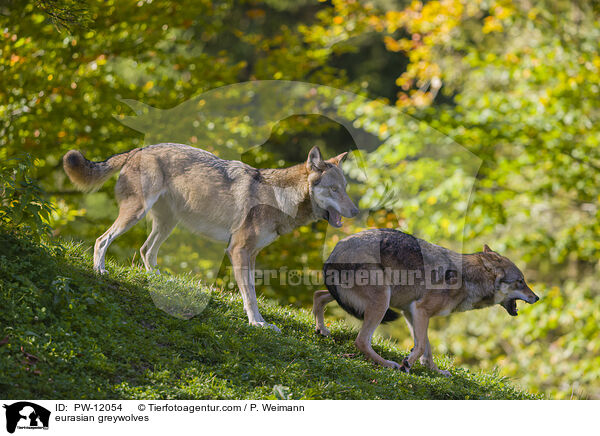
[335,218]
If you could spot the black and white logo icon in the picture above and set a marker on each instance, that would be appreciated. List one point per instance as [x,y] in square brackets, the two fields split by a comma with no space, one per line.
[26,415]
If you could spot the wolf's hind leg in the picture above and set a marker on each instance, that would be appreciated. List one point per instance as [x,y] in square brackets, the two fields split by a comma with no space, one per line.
[379,303]
[163,223]
[320,300]
[144,248]
[131,210]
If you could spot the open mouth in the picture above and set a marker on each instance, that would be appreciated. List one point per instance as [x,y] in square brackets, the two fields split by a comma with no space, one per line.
[511,306]
[333,217]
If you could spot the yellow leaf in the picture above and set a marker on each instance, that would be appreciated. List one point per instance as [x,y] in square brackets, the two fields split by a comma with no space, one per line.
[491,24]
[391,44]
[512,58]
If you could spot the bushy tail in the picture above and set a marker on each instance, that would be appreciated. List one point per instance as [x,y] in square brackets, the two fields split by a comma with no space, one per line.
[90,176]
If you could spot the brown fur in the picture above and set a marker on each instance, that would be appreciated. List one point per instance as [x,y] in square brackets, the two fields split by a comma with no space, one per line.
[471,281]
[90,176]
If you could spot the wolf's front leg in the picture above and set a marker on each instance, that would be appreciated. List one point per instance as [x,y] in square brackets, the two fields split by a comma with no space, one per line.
[427,358]
[427,361]
[243,269]
[320,299]
[419,321]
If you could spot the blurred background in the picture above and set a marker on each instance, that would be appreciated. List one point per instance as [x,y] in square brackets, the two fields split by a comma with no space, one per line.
[514,84]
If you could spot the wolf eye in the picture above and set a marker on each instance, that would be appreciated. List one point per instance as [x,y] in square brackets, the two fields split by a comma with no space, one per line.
[334,189]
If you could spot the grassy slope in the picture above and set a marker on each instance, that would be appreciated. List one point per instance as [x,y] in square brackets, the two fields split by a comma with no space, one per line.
[66,332]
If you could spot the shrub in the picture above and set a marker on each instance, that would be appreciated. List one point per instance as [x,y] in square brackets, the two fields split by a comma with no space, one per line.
[22,204]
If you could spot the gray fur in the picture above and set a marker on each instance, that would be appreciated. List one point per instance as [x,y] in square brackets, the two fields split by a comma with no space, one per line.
[226,200]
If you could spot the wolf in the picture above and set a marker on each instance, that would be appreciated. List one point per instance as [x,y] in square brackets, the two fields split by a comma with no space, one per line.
[377,272]
[226,200]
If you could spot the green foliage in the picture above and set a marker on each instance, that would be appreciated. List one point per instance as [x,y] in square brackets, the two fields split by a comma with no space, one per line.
[23,207]
[65,14]
[69,333]
[525,108]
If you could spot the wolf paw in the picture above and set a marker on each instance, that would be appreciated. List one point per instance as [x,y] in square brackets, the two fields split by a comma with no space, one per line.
[101,271]
[444,373]
[323,331]
[265,324]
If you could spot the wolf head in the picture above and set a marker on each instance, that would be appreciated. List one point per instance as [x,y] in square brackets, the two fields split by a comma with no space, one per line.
[509,283]
[327,188]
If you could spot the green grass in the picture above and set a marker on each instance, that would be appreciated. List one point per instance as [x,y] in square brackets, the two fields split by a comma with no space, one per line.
[66,332]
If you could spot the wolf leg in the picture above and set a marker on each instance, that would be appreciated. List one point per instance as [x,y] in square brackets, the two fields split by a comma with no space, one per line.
[131,210]
[242,262]
[419,320]
[145,246]
[163,223]
[427,360]
[320,299]
[378,304]
[149,250]
[427,357]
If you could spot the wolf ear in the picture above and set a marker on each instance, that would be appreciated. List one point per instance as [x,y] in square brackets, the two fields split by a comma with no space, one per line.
[488,264]
[315,161]
[487,249]
[340,158]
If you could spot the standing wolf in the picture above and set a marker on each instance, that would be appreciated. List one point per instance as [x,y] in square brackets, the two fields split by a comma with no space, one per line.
[226,200]
[375,270]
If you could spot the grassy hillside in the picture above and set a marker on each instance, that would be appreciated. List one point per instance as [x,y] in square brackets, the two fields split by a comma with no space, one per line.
[66,332]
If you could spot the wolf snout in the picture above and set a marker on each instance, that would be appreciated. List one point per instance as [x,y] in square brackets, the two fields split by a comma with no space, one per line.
[533,299]
[353,212]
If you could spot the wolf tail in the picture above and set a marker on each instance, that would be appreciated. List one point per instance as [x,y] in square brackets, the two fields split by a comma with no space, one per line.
[89,176]
[390,315]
